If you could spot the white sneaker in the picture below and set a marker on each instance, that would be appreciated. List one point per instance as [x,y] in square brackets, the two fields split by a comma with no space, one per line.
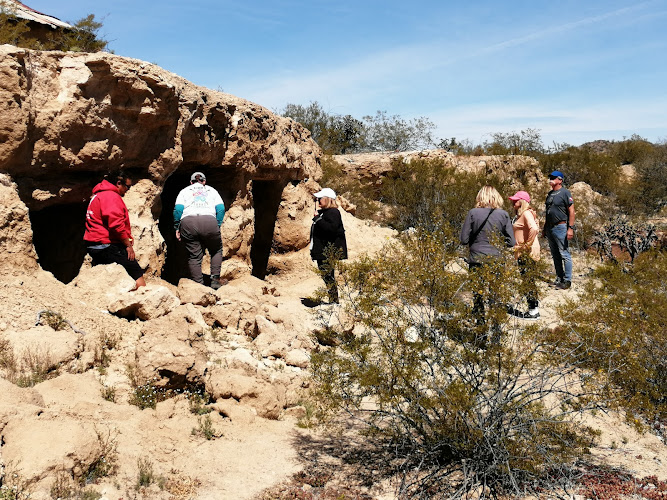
[532,315]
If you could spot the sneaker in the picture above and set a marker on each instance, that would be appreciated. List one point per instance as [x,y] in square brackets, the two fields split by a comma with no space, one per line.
[556,283]
[531,315]
[564,285]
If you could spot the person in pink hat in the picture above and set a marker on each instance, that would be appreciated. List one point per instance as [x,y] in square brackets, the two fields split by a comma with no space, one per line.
[526,251]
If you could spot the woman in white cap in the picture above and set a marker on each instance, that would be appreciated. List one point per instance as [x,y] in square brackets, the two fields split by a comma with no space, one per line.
[527,250]
[327,239]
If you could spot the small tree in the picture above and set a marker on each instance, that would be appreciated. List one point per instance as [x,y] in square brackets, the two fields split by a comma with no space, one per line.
[83,38]
[393,133]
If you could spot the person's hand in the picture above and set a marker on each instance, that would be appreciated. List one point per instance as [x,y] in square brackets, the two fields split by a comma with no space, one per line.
[178,235]
[570,233]
[130,253]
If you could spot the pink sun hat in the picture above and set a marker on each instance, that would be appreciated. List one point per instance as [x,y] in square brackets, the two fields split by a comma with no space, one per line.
[521,195]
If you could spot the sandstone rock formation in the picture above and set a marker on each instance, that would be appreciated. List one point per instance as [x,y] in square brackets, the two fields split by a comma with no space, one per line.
[372,167]
[67,118]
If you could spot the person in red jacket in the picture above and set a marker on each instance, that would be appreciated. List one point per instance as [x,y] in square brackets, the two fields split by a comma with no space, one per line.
[108,235]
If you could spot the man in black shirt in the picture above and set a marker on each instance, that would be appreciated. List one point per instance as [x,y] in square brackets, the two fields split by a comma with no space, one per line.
[559,228]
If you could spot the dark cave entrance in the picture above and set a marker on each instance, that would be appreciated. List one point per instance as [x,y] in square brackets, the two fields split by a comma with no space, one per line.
[266,197]
[57,233]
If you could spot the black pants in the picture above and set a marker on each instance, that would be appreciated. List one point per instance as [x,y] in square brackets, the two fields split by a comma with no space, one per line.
[116,253]
[199,233]
[327,270]
[527,270]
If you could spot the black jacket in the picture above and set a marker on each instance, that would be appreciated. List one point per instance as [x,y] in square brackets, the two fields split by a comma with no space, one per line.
[327,229]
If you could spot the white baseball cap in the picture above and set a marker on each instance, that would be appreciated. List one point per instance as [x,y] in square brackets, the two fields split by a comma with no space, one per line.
[326,193]
[193,177]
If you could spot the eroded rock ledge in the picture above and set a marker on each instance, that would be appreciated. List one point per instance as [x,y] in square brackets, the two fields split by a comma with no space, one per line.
[66,118]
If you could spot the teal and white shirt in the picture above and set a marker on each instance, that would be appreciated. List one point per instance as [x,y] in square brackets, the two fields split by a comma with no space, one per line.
[198,199]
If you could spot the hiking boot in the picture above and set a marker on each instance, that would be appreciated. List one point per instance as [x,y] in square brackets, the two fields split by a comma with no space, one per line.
[216,282]
[564,285]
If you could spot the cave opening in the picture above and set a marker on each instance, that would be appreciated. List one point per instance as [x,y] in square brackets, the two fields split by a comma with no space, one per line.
[225,180]
[266,197]
[57,233]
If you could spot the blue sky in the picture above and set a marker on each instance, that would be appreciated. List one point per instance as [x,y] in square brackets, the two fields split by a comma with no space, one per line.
[577,70]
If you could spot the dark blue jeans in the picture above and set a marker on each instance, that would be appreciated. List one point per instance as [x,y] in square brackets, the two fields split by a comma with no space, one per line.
[559,246]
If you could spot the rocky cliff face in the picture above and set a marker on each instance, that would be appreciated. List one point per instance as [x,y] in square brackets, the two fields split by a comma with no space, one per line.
[66,119]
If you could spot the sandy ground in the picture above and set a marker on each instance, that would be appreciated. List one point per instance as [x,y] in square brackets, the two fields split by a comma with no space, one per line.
[249,453]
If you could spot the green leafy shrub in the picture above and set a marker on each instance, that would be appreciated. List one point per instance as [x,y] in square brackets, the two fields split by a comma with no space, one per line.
[82,37]
[461,413]
[647,193]
[205,428]
[430,195]
[621,317]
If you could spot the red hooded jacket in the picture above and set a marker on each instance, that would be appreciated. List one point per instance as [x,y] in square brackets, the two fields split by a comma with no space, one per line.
[107,218]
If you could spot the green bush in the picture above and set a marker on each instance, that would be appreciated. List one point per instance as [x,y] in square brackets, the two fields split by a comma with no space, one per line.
[647,193]
[430,195]
[83,37]
[621,317]
[462,413]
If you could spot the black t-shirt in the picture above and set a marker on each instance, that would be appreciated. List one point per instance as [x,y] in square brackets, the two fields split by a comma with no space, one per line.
[557,204]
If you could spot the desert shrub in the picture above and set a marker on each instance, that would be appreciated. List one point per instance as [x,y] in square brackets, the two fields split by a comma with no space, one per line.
[145,475]
[621,317]
[599,170]
[525,142]
[7,357]
[53,319]
[393,133]
[631,150]
[105,458]
[13,486]
[647,193]
[205,428]
[37,367]
[197,401]
[430,195]
[337,134]
[83,37]
[462,413]
[12,30]
[146,395]
[109,393]
[106,343]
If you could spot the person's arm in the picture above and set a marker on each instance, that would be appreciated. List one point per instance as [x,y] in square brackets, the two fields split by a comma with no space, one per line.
[466,229]
[570,221]
[117,219]
[533,229]
[509,231]
[220,213]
